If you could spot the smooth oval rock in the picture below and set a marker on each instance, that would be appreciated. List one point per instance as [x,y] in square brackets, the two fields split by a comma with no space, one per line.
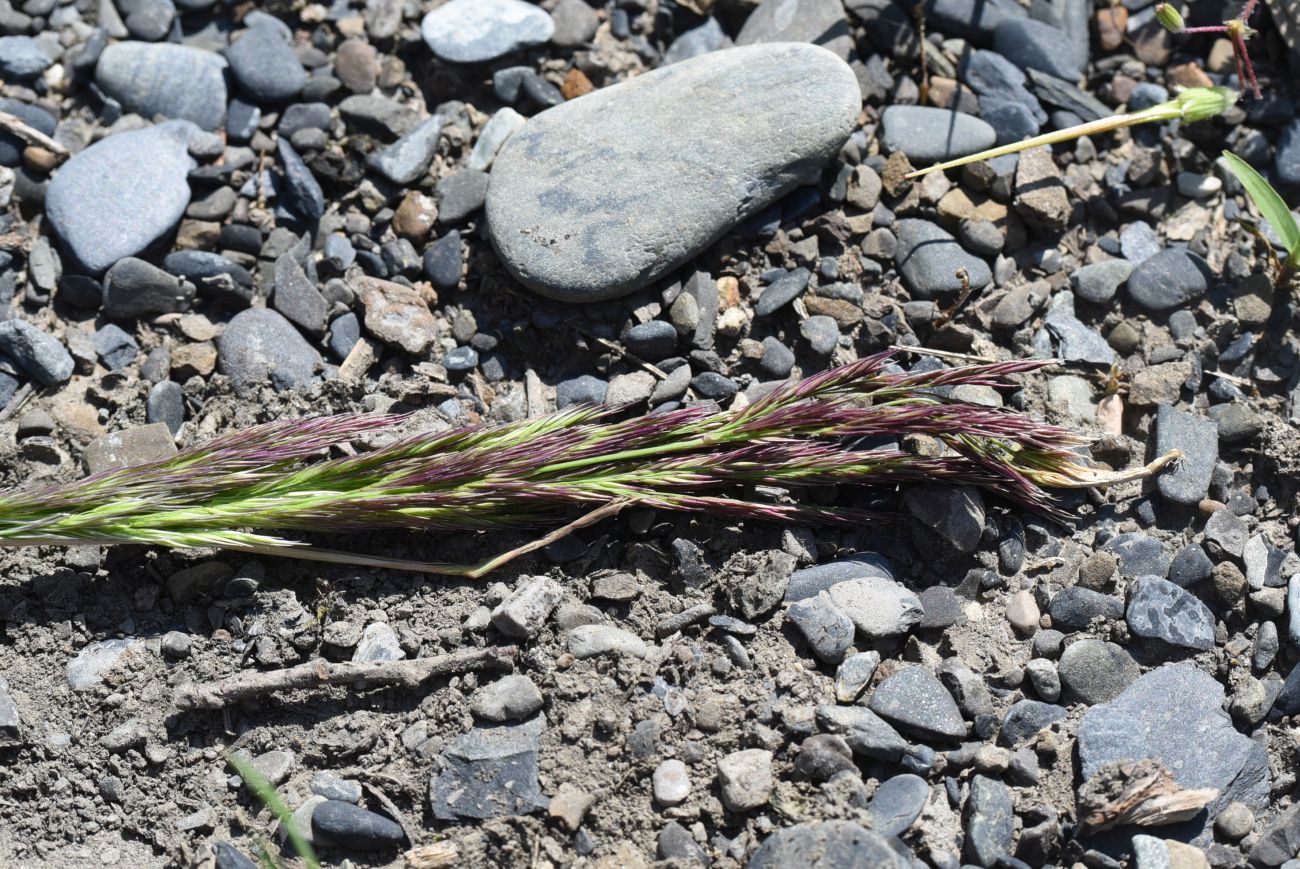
[928,134]
[259,346]
[929,258]
[265,66]
[122,194]
[1168,280]
[842,844]
[472,31]
[175,81]
[598,197]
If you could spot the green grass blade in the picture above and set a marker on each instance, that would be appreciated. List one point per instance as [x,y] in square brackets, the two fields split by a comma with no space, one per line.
[1268,202]
[263,790]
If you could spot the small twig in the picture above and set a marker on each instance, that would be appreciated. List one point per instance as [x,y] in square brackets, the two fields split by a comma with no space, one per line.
[16,403]
[631,357]
[29,134]
[941,354]
[392,809]
[1232,378]
[318,673]
[956,307]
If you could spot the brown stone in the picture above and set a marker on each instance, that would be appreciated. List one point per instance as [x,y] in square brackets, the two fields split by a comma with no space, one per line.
[843,312]
[946,93]
[1040,198]
[1221,58]
[1112,23]
[1188,75]
[576,84]
[956,206]
[397,315]
[893,176]
[191,359]
[198,235]
[1253,304]
[1152,45]
[1158,385]
[357,66]
[415,216]
[40,159]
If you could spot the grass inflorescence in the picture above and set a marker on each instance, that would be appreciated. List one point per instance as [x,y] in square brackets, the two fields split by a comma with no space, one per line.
[245,490]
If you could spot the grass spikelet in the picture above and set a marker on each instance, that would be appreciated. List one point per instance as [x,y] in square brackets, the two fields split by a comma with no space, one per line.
[247,490]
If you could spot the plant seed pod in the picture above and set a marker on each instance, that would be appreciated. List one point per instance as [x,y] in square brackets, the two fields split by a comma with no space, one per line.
[1169,17]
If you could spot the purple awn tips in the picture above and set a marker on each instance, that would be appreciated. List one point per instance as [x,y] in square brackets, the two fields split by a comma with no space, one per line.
[243,490]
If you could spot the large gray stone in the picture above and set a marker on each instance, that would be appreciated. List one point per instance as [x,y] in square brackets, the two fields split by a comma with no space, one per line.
[122,194]
[1160,610]
[928,259]
[174,81]
[829,845]
[1197,437]
[820,22]
[1175,715]
[488,772]
[600,196]
[261,346]
[915,701]
[808,581]
[473,31]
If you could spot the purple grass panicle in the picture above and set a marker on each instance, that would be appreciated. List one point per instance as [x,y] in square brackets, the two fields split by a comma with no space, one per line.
[246,490]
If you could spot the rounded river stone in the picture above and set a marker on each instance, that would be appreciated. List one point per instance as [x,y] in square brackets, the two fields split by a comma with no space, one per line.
[598,197]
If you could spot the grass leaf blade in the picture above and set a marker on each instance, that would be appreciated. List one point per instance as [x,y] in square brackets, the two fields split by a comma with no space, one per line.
[1268,201]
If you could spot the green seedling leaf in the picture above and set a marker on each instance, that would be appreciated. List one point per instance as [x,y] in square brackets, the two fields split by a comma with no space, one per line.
[1269,203]
[264,791]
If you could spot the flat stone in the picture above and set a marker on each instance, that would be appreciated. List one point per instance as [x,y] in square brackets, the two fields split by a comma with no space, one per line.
[820,22]
[1040,191]
[745,779]
[474,31]
[404,161]
[600,196]
[1094,671]
[379,642]
[1098,282]
[853,674]
[671,783]
[914,700]
[89,666]
[927,135]
[695,42]
[1138,554]
[841,844]
[1038,45]
[489,772]
[260,346]
[897,803]
[175,81]
[522,614]
[510,698]
[989,818]
[865,732]
[1174,714]
[1076,607]
[953,516]
[589,641]
[877,607]
[1228,531]
[829,632]
[265,65]
[397,314]
[1187,482]
[21,58]
[296,297]
[1025,718]
[1075,342]
[122,195]
[929,258]
[1168,280]
[40,356]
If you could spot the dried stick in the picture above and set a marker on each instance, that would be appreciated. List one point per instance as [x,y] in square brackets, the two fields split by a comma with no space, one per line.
[29,134]
[319,672]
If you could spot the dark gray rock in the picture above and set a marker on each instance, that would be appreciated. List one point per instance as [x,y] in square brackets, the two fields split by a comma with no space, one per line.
[706,38]
[989,818]
[829,845]
[135,288]
[1227,531]
[460,194]
[865,732]
[1287,159]
[822,334]
[338,823]
[115,347]
[11,147]
[1190,566]
[600,196]
[166,404]
[489,772]
[928,259]
[897,803]
[1138,554]
[265,65]
[781,292]
[1168,280]
[942,608]
[175,81]
[915,701]
[474,31]
[1098,282]
[1075,342]
[1197,437]
[674,841]
[584,389]
[1075,607]
[39,355]
[1094,671]
[297,298]
[1038,45]
[575,23]
[217,279]
[928,135]
[301,193]
[407,159]
[808,581]
[652,341]
[121,195]
[955,514]
[260,346]
[1175,715]
[824,755]
[976,20]
[21,58]
[1025,718]
[829,632]
[442,262]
